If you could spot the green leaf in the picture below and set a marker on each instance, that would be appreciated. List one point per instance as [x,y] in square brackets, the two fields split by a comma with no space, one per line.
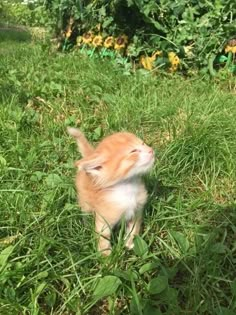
[224,311]
[151,310]
[107,22]
[136,305]
[233,287]
[97,133]
[71,120]
[56,86]
[130,3]
[140,246]
[10,293]
[53,180]
[218,248]
[127,274]
[157,285]
[172,295]
[102,11]
[42,274]
[37,176]
[3,161]
[148,266]
[4,255]
[106,286]
[39,289]
[50,298]
[181,240]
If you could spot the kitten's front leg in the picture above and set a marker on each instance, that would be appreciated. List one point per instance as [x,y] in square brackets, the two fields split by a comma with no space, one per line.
[104,234]
[133,228]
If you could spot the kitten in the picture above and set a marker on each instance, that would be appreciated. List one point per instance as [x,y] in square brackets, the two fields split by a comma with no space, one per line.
[109,182]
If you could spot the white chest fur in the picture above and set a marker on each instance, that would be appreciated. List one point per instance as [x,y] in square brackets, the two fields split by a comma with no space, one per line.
[129,196]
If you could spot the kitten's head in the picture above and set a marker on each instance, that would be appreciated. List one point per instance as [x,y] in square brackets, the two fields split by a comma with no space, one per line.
[118,157]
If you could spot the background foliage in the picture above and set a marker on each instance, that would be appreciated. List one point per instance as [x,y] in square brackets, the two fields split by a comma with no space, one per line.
[193,29]
[28,14]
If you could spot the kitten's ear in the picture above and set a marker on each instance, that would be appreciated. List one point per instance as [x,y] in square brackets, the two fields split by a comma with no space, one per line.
[92,165]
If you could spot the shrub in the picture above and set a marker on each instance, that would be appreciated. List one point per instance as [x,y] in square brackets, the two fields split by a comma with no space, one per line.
[28,14]
[193,29]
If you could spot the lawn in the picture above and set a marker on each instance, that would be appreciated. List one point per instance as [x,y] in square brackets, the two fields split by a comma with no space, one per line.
[185,260]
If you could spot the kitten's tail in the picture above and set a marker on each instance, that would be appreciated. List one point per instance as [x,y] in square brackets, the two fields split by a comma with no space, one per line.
[84,146]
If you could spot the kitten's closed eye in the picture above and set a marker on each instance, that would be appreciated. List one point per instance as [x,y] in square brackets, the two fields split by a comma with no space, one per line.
[137,150]
[134,151]
[98,168]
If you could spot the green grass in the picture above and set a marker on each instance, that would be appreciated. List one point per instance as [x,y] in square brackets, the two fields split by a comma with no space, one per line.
[48,258]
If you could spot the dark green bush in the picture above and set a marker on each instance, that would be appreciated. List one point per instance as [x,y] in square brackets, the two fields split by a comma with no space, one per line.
[24,14]
[193,29]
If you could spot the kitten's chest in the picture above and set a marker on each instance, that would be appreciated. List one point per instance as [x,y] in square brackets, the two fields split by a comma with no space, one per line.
[130,196]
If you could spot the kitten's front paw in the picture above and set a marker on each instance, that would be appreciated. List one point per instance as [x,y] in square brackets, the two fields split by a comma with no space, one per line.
[105,252]
[104,246]
[129,244]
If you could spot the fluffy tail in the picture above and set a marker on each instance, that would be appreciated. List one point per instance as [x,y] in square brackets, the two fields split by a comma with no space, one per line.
[84,146]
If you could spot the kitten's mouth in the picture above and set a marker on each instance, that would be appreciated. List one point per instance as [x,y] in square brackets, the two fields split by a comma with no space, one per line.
[152,156]
[150,160]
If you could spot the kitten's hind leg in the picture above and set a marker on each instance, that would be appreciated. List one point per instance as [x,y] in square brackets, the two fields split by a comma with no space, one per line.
[133,228]
[103,229]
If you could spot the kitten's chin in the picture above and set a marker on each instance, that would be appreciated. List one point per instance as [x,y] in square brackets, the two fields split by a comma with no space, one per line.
[146,168]
[141,169]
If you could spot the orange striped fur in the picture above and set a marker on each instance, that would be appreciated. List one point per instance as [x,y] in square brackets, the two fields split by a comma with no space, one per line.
[109,182]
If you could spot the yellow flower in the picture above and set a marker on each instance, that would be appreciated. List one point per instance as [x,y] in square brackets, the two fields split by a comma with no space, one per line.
[68,33]
[230,49]
[88,37]
[109,42]
[146,62]
[156,54]
[174,60]
[121,42]
[173,68]
[79,40]
[69,28]
[97,41]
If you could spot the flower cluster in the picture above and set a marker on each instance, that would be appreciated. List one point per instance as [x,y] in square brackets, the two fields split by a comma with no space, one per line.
[118,43]
[148,62]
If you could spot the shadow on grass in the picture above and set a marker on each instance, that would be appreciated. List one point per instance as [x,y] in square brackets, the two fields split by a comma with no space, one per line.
[205,278]
[14,33]
[195,245]
[158,189]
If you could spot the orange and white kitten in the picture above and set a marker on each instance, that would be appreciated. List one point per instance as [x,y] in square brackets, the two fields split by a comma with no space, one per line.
[109,182]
